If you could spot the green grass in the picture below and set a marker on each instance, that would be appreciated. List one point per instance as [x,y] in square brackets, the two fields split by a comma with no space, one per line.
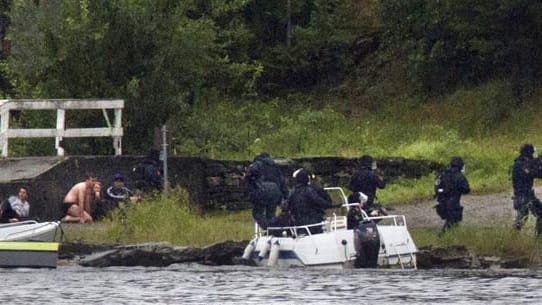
[495,239]
[484,125]
[170,219]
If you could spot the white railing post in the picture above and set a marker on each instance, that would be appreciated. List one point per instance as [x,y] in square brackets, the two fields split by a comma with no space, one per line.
[4,126]
[60,125]
[60,131]
[117,140]
[164,155]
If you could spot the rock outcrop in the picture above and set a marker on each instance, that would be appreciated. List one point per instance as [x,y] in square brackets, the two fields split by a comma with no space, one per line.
[230,252]
[459,257]
[156,254]
[456,257]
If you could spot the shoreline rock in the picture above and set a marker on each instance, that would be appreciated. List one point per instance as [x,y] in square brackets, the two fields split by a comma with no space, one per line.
[150,254]
[459,257]
[230,252]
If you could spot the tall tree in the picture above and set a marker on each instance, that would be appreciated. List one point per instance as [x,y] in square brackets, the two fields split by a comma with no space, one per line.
[451,42]
[307,43]
[162,57]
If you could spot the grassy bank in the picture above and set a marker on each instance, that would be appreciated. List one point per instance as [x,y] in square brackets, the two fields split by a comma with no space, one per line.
[167,219]
[484,125]
[497,239]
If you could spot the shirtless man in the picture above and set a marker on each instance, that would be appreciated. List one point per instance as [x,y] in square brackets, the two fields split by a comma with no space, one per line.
[76,205]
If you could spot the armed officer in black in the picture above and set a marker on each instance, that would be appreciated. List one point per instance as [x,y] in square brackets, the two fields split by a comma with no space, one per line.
[524,171]
[266,188]
[450,199]
[306,203]
[367,180]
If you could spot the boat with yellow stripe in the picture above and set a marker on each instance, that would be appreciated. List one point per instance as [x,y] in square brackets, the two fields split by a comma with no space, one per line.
[28,254]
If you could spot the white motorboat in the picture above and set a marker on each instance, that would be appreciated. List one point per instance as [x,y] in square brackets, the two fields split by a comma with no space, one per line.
[337,246]
[30,230]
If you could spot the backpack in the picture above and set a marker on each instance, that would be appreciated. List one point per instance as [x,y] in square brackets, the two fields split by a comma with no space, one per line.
[146,176]
[444,184]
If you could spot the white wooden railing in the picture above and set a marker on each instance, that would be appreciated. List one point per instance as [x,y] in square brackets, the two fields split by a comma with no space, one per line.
[61,105]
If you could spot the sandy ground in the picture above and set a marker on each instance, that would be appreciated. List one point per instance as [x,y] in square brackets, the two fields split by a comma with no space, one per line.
[485,209]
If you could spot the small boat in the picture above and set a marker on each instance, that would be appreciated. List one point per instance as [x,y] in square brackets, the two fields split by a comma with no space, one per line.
[29,230]
[18,254]
[337,246]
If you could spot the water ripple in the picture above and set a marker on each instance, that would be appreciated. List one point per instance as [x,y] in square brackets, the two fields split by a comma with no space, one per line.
[197,284]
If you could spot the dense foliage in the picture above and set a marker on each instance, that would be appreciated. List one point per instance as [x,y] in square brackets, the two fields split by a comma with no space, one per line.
[158,56]
[233,77]
[453,42]
[167,57]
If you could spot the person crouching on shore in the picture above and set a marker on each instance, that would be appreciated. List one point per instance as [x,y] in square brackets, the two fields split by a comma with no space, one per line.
[76,205]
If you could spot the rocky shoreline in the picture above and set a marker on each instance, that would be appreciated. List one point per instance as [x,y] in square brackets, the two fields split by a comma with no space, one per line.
[230,252]
[478,209]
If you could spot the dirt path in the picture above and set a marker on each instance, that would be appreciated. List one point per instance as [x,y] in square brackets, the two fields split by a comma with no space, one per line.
[478,209]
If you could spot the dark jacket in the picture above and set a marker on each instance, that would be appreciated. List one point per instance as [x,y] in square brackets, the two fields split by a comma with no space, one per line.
[118,194]
[522,175]
[365,180]
[460,187]
[269,172]
[148,175]
[307,206]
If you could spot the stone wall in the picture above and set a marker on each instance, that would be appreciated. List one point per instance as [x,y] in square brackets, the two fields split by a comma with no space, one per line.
[212,184]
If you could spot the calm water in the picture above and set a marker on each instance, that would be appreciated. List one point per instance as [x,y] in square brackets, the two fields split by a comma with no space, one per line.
[196,284]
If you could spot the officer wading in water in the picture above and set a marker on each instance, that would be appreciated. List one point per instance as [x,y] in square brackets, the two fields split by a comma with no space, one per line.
[449,186]
[525,169]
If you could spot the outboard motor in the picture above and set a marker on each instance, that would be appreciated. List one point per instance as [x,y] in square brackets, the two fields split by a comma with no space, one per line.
[366,244]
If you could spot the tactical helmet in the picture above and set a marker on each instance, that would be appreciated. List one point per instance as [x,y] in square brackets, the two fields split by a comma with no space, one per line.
[456,162]
[366,160]
[262,157]
[265,155]
[527,150]
[301,176]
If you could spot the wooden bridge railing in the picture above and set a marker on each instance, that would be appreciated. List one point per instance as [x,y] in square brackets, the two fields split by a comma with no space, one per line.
[61,105]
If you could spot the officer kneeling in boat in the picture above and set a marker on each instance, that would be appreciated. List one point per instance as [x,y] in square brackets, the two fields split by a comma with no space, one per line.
[307,203]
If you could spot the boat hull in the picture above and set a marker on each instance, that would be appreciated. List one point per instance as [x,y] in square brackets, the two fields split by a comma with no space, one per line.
[333,249]
[307,250]
[30,231]
[28,254]
[381,240]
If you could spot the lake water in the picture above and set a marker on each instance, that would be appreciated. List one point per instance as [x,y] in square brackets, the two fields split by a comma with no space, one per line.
[197,284]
